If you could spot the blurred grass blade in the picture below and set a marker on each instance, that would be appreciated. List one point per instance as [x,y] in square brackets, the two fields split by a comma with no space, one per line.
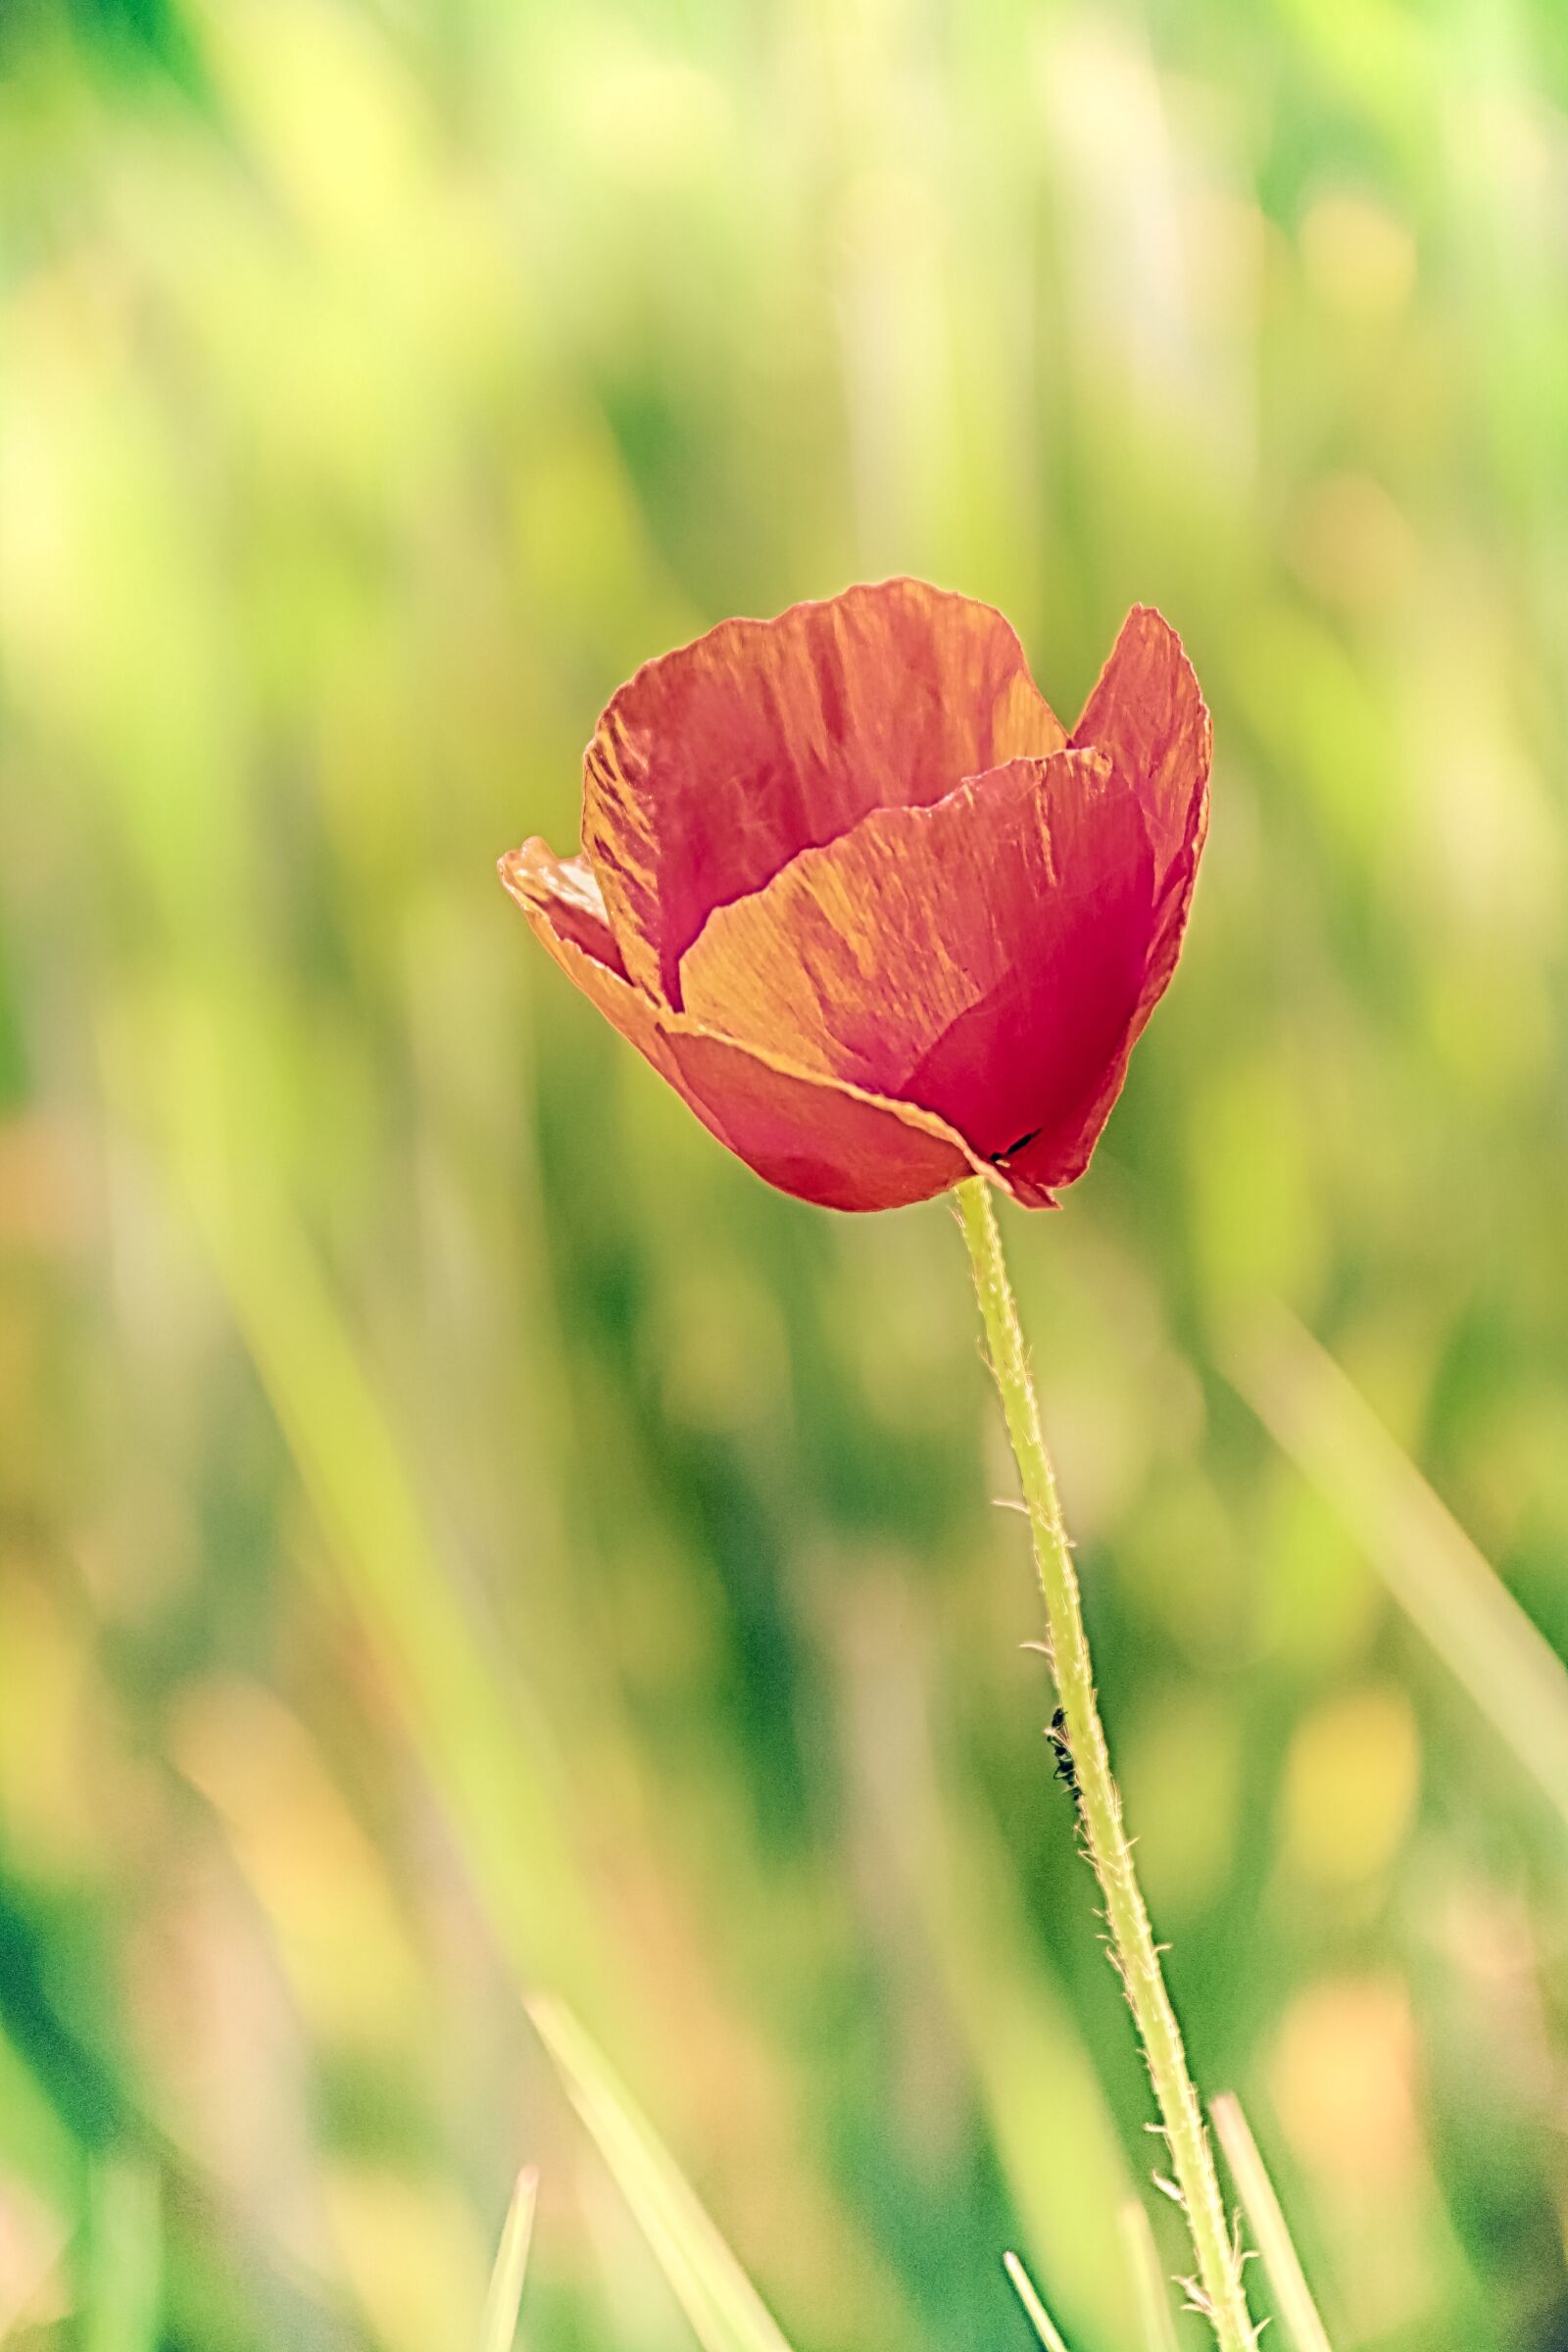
[1297,2311]
[123,2286]
[477,1737]
[1032,2070]
[726,2312]
[1155,2318]
[499,2327]
[1445,1585]
[1039,2317]
[504,1788]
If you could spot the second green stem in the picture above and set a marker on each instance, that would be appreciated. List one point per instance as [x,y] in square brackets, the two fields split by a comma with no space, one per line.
[1217,2286]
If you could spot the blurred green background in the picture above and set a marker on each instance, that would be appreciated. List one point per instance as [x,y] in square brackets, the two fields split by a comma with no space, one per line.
[459,1531]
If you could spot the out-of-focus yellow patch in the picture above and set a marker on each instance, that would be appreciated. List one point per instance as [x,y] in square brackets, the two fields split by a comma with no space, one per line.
[314,1872]
[1351,1781]
[1341,2080]
[414,2254]
[1358,258]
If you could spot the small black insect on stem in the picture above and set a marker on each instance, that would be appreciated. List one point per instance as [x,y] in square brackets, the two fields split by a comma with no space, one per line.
[1067,1769]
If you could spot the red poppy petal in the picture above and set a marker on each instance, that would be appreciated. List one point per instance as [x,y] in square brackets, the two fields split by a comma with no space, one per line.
[1149,717]
[565,891]
[982,957]
[1027,1192]
[718,763]
[1059,1154]
[809,1135]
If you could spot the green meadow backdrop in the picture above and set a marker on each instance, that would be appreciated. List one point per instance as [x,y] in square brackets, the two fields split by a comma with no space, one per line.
[462,1537]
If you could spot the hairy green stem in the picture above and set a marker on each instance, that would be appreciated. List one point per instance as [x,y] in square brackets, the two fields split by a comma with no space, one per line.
[1217,2288]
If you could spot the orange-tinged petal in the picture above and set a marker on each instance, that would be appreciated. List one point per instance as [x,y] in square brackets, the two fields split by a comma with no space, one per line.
[1149,717]
[807,1134]
[717,764]
[982,957]
[814,1136]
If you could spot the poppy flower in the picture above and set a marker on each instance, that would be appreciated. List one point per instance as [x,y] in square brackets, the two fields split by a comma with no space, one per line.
[853,889]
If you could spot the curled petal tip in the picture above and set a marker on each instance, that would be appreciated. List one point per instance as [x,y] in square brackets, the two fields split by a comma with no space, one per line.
[561,899]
